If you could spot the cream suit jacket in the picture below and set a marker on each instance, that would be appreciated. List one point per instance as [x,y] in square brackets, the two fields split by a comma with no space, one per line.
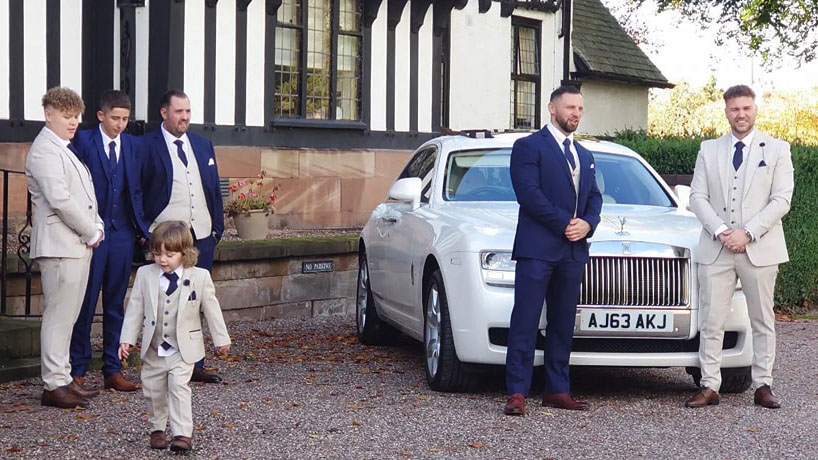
[143,308]
[64,207]
[768,186]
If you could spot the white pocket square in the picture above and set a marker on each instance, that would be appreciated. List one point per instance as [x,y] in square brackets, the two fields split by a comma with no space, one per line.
[592,166]
[210,162]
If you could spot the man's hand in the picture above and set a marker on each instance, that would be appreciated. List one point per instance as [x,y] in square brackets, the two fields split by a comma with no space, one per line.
[577,229]
[223,350]
[100,237]
[735,241]
[123,351]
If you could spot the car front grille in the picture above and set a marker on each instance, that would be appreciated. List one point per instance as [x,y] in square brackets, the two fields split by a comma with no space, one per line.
[636,281]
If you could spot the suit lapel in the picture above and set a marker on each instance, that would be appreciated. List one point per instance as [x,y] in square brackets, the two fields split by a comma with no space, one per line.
[751,162]
[82,170]
[103,158]
[164,157]
[185,288]
[722,157]
[153,290]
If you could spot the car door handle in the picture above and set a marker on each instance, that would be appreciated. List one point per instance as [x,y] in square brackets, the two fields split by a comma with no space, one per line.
[390,220]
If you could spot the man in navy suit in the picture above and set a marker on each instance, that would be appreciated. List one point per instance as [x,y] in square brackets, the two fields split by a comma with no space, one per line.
[180,176]
[553,177]
[110,156]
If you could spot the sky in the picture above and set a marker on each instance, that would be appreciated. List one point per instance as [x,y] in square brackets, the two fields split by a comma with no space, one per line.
[684,51]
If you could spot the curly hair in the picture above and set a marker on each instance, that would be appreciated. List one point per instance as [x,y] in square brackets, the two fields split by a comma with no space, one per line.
[174,236]
[64,100]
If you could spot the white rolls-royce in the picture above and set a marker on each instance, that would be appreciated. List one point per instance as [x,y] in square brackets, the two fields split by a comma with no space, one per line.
[435,263]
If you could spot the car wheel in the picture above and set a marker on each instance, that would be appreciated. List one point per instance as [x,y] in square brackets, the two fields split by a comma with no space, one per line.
[371,330]
[444,371]
[733,379]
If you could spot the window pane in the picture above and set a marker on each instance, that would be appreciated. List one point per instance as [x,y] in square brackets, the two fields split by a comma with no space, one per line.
[529,55]
[318,59]
[288,44]
[526,92]
[350,16]
[289,12]
[348,74]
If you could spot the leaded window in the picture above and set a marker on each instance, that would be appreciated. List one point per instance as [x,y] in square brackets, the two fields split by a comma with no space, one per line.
[525,74]
[318,60]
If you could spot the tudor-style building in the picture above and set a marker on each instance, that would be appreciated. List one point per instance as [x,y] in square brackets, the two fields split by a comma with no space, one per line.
[326,96]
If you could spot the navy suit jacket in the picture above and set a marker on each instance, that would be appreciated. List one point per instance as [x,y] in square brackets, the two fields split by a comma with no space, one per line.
[157,177]
[542,181]
[90,151]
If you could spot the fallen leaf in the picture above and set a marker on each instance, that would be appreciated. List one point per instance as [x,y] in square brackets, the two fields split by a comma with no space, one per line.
[354,407]
[356,423]
[548,414]
[12,450]
[214,412]
[111,431]
[753,429]
[228,425]
[72,437]
[434,450]
[85,416]
[476,445]
[423,398]
[199,428]
[313,435]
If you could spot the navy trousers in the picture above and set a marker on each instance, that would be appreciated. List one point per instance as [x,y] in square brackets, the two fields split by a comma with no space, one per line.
[207,250]
[556,283]
[110,272]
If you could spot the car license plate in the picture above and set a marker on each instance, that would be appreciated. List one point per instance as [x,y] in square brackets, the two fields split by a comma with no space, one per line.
[618,320]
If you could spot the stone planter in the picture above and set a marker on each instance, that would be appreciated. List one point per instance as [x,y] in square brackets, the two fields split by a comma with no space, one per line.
[251,225]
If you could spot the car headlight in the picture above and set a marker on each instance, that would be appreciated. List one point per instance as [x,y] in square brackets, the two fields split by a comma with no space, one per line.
[498,268]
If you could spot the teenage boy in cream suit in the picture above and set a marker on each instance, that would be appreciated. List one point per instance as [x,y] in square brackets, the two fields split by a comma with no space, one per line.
[741,189]
[65,228]
[167,299]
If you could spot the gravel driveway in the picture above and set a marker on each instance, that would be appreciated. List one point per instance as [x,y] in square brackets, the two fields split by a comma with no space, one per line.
[307,389]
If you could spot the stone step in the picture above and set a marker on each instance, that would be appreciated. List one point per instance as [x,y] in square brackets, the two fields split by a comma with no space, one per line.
[19,338]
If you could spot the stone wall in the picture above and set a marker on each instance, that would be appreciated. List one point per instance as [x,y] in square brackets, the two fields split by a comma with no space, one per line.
[318,188]
[254,280]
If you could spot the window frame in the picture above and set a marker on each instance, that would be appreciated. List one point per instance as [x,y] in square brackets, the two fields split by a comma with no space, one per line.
[335,30]
[516,23]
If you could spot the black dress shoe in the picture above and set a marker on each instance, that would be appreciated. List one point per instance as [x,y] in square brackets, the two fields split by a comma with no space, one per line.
[201,375]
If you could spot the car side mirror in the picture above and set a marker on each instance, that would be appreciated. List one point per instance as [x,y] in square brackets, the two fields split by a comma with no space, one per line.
[683,195]
[407,189]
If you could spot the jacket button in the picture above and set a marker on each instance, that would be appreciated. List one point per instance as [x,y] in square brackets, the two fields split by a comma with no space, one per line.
[90,207]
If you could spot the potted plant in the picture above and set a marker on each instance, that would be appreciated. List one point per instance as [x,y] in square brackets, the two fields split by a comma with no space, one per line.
[250,206]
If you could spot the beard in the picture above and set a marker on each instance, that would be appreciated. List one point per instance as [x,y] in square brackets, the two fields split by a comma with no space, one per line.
[567,124]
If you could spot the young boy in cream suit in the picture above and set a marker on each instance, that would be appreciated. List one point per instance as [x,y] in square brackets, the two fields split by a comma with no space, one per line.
[169,296]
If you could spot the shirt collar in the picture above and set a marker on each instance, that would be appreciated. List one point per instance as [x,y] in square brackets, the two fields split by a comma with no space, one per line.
[747,141]
[179,270]
[107,140]
[558,135]
[170,138]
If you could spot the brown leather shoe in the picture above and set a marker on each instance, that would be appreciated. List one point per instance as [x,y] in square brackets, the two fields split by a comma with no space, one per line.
[201,375]
[63,398]
[159,440]
[77,388]
[119,383]
[515,405]
[181,444]
[764,397]
[704,397]
[563,401]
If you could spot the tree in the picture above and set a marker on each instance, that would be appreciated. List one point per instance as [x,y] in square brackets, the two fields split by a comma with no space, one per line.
[770,27]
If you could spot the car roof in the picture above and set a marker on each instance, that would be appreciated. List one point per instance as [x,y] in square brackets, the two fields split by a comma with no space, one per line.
[506,140]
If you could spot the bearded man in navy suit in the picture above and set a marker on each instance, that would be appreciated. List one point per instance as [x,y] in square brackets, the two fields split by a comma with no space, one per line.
[110,155]
[555,183]
[180,176]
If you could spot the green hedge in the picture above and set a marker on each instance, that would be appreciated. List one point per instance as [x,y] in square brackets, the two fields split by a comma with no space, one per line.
[797,284]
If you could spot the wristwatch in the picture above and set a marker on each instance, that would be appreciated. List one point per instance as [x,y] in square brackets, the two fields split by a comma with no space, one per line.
[749,235]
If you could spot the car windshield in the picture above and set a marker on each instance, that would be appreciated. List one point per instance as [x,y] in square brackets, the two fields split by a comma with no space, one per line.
[483,175]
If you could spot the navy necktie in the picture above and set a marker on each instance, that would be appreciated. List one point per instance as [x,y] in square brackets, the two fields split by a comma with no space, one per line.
[738,156]
[73,149]
[181,152]
[173,278]
[112,160]
[568,155]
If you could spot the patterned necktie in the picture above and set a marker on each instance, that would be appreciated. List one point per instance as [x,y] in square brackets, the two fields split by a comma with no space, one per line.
[181,152]
[112,159]
[173,278]
[738,156]
[568,155]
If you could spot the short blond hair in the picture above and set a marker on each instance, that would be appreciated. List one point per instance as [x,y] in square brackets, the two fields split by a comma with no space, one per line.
[174,236]
[63,99]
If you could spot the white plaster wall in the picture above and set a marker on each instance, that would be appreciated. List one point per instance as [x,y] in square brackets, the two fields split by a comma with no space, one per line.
[71,45]
[425,61]
[4,59]
[116,51]
[255,103]
[141,62]
[377,74]
[34,65]
[194,58]
[480,79]
[403,57]
[225,62]
[611,107]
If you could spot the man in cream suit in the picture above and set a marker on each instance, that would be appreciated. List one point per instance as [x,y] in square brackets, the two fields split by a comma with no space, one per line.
[741,189]
[65,228]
